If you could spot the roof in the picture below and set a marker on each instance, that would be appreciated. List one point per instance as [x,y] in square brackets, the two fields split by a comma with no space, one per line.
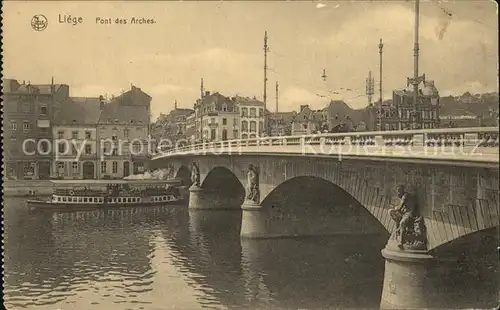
[115,112]
[218,99]
[247,101]
[101,182]
[79,110]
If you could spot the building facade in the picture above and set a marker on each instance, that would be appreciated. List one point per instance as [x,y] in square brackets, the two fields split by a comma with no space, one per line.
[123,132]
[309,121]
[215,119]
[29,112]
[75,139]
[172,126]
[252,117]
[401,114]
[280,124]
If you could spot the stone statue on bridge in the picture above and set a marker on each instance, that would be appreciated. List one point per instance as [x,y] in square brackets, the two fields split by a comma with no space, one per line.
[253,192]
[195,174]
[410,229]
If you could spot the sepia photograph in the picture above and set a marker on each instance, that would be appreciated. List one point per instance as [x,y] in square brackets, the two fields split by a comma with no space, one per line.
[337,154]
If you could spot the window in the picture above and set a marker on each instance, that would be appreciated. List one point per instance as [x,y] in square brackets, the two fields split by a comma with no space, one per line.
[244,126]
[13,125]
[88,149]
[244,112]
[212,120]
[26,108]
[126,132]
[60,134]
[103,167]
[115,167]
[114,138]
[74,134]
[224,121]
[224,107]
[62,148]
[261,112]
[26,126]
[253,112]
[43,130]
[74,167]
[44,146]
[88,135]
[60,165]
[253,126]
[43,110]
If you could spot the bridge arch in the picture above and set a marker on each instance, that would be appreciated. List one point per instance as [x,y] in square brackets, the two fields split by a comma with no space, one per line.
[308,205]
[224,187]
[184,174]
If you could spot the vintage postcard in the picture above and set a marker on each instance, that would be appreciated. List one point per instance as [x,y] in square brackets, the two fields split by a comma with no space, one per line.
[250,154]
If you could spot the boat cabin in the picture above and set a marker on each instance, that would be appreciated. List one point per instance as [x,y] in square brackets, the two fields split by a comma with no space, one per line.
[114,192]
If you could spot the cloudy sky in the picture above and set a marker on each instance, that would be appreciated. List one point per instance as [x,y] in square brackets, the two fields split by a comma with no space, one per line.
[223,43]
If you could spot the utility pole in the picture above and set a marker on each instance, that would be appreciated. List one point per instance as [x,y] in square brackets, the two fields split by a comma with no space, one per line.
[276,112]
[277,87]
[369,92]
[200,109]
[380,50]
[370,82]
[266,49]
[416,79]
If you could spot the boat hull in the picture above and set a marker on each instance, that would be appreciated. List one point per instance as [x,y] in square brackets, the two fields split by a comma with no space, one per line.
[34,204]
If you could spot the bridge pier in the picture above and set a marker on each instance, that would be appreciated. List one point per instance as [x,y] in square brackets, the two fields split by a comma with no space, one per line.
[408,283]
[253,220]
[198,198]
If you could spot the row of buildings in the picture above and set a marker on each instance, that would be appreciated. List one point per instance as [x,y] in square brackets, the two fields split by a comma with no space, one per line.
[49,134]
[217,117]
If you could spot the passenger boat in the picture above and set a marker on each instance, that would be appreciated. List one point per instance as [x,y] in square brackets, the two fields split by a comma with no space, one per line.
[94,194]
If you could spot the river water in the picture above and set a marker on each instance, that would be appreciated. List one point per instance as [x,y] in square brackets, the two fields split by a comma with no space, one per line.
[167,258]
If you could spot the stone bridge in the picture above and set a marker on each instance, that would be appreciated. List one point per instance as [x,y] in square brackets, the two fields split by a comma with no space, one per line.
[451,173]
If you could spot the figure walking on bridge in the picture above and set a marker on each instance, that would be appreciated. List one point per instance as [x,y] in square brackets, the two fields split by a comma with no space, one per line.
[403,214]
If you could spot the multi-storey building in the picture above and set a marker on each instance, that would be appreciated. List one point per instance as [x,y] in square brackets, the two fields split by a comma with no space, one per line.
[123,134]
[252,117]
[280,124]
[308,121]
[75,136]
[29,111]
[191,127]
[401,114]
[216,117]
[172,126]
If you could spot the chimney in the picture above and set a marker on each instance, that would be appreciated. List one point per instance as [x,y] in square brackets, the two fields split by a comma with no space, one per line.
[207,93]
[101,102]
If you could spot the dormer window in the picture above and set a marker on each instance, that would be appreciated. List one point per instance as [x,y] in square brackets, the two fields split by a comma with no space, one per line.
[73,122]
[116,120]
[131,121]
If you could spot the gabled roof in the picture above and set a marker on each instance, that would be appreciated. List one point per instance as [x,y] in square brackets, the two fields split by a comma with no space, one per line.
[79,110]
[219,100]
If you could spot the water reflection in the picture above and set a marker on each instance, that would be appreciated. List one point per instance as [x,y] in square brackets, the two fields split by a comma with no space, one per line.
[167,257]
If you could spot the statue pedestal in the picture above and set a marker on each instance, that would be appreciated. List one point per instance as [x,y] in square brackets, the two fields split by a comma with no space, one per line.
[197,198]
[253,220]
[408,283]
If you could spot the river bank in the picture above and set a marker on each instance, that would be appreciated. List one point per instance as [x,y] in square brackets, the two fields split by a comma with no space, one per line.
[27,188]
[24,188]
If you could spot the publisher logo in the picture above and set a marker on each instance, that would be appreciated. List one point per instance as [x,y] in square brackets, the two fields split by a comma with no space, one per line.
[39,22]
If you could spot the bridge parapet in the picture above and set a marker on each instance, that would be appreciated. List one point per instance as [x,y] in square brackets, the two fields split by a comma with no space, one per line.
[447,137]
